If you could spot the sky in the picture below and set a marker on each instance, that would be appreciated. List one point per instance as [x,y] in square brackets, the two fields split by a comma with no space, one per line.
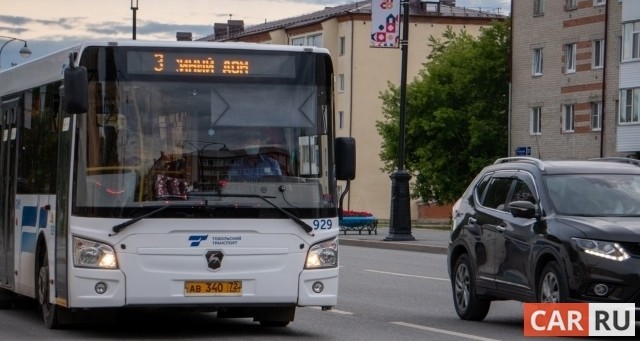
[51,25]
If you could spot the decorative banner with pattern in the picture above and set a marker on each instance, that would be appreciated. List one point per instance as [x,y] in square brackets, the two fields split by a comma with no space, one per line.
[385,23]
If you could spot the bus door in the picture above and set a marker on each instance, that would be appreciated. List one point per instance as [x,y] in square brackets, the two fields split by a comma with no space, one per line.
[8,129]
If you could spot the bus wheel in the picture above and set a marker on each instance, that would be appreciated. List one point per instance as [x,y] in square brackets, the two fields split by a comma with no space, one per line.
[51,313]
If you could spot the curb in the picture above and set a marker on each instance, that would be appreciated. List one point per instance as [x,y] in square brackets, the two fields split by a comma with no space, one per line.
[403,246]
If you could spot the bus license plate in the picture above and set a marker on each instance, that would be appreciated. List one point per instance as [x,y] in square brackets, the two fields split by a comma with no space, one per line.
[215,288]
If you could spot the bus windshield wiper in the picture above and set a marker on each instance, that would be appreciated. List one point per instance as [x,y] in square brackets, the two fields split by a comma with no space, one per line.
[298,221]
[122,226]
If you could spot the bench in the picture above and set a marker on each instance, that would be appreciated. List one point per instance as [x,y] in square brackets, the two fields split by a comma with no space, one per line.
[369,224]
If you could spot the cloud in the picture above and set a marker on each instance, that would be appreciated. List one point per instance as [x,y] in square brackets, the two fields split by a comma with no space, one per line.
[108,29]
[117,28]
[66,23]
[21,25]
[13,30]
[157,27]
[50,27]
[151,28]
[14,20]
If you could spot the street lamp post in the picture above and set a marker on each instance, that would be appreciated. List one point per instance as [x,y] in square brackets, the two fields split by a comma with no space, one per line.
[134,8]
[25,52]
[400,216]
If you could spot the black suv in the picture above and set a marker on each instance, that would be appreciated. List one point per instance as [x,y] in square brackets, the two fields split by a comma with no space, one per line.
[547,231]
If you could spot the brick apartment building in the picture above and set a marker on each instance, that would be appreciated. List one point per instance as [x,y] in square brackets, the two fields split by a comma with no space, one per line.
[568,78]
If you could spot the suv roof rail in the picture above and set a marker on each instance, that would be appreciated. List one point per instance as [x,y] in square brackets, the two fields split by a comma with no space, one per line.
[533,160]
[628,160]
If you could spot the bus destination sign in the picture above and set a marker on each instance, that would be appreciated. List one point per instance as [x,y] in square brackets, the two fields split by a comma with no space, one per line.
[201,63]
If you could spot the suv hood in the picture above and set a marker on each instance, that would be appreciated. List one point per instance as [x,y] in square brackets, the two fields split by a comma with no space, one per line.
[606,228]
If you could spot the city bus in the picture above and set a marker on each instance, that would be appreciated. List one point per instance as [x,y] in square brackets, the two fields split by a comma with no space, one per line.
[115,170]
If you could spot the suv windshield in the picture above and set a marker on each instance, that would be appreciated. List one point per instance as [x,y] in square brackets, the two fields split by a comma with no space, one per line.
[595,194]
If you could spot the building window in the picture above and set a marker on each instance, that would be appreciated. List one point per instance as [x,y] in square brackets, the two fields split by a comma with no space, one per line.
[538,7]
[568,118]
[537,62]
[596,115]
[598,54]
[631,40]
[536,121]
[340,119]
[572,4]
[315,40]
[342,46]
[310,40]
[629,106]
[297,41]
[599,2]
[570,58]
[341,82]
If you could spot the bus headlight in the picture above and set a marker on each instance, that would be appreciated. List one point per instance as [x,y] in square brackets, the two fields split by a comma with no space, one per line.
[323,255]
[92,254]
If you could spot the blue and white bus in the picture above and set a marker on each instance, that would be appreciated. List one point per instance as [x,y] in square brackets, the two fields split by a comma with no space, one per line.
[115,170]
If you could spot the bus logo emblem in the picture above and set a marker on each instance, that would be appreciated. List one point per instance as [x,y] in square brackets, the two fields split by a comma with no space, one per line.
[214,259]
[196,239]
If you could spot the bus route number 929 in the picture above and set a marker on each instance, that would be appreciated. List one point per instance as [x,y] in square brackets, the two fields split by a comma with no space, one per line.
[322,224]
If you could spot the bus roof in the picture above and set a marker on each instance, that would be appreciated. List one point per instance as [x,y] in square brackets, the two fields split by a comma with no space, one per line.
[50,68]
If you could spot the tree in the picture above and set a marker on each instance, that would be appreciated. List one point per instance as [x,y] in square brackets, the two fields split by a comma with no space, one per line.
[456,113]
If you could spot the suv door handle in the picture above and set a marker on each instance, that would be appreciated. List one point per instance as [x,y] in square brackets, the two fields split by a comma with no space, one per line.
[472,220]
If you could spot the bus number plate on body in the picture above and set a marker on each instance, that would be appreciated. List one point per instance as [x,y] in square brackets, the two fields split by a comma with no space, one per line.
[227,288]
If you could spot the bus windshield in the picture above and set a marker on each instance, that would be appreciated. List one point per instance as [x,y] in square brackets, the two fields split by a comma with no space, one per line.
[204,128]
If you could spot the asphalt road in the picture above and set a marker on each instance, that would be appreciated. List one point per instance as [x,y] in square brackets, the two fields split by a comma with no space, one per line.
[384,295]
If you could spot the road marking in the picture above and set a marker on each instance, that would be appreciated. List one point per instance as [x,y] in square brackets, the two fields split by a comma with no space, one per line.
[444,331]
[406,275]
[340,312]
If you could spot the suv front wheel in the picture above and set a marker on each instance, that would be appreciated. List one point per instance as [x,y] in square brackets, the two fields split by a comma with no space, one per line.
[552,286]
[467,303]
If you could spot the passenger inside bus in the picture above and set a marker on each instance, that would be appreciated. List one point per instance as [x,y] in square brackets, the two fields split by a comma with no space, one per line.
[170,177]
[254,165]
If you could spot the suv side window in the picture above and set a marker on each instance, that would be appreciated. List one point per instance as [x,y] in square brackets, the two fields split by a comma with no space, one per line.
[522,192]
[496,196]
[482,185]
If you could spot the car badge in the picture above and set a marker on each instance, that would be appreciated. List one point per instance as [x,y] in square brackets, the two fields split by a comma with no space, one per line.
[214,259]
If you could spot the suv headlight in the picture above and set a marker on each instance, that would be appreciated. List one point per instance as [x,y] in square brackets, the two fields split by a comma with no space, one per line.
[608,250]
[323,255]
[92,254]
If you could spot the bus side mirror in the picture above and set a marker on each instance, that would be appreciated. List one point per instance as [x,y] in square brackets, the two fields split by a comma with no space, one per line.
[345,156]
[76,85]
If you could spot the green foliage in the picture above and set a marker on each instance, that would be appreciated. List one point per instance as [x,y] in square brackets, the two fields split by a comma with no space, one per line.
[456,113]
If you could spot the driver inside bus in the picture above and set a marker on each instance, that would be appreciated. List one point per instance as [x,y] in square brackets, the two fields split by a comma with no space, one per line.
[254,165]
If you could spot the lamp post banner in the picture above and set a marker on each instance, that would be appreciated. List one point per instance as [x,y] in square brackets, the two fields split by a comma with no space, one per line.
[385,24]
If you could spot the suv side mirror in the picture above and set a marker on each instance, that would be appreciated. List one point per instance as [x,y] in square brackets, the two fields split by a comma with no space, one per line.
[522,209]
[345,156]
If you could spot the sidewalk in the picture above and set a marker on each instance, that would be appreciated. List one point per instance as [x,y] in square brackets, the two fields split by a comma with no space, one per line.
[426,240]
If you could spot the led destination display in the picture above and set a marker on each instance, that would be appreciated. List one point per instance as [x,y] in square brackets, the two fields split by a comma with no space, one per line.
[210,63]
